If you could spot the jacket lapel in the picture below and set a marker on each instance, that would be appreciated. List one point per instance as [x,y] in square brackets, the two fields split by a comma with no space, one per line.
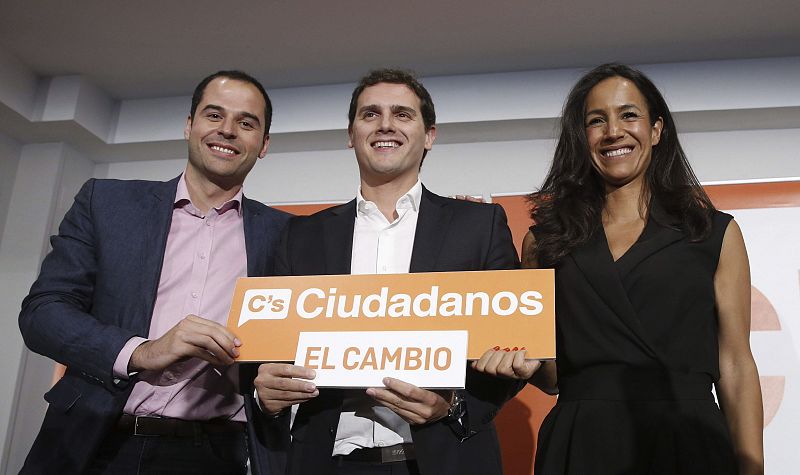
[654,238]
[255,248]
[432,223]
[596,263]
[157,207]
[337,238]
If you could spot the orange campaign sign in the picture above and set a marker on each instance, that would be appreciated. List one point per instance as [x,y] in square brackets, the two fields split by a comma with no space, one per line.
[509,308]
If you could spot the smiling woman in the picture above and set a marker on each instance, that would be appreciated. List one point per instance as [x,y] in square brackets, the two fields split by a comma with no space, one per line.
[620,132]
[652,298]
[618,142]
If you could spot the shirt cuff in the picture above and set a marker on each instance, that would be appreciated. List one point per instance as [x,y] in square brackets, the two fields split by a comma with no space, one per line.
[124,357]
[261,408]
[258,401]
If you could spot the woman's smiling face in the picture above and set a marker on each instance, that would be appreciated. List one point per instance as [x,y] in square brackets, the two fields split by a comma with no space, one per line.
[619,131]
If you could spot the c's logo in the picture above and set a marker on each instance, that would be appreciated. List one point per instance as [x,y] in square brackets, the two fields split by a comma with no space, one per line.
[265,304]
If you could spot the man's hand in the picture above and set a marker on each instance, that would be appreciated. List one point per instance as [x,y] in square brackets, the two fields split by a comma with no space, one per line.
[474,199]
[277,389]
[192,337]
[507,363]
[415,405]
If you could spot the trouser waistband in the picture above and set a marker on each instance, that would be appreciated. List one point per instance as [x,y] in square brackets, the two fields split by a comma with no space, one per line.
[377,455]
[170,427]
[623,382]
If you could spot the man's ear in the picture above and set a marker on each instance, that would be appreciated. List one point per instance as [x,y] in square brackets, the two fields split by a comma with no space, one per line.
[264,147]
[349,137]
[430,136]
[187,130]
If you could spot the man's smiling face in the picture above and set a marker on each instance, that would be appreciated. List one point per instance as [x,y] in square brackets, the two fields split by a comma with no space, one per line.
[226,136]
[388,134]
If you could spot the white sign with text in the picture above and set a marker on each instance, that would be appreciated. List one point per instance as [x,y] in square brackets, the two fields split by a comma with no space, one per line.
[428,359]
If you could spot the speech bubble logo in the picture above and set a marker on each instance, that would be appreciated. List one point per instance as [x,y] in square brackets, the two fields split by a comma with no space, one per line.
[265,304]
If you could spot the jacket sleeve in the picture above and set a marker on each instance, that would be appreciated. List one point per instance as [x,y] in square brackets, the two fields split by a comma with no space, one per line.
[501,255]
[283,266]
[269,437]
[485,395]
[56,319]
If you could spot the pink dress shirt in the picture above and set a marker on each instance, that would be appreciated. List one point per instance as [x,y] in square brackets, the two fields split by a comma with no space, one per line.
[204,257]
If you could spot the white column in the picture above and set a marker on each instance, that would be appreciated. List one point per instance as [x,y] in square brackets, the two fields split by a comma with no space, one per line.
[47,177]
[9,159]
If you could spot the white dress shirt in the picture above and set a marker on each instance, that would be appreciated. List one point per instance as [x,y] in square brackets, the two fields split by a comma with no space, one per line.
[379,247]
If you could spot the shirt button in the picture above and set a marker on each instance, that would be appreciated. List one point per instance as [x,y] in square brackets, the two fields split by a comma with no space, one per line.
[208,223]
[202,255]
[169,376]
[381,444]
[194,295]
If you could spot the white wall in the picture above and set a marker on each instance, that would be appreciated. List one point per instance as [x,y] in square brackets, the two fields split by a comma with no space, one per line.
[9,158]
[496,130]
[744,154]
[47,177]
[740,121]
[484,168]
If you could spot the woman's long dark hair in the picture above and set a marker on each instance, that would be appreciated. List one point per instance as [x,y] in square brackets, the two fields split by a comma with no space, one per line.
[567,208]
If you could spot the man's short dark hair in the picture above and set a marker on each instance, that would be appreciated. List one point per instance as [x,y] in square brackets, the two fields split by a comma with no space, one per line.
[395,76]
[197,96]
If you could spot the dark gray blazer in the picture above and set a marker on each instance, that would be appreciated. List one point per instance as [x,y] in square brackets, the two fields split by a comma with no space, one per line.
[451,235]
[95,291]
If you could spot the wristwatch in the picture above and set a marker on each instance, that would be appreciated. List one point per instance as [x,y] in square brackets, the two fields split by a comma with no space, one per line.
[457,406]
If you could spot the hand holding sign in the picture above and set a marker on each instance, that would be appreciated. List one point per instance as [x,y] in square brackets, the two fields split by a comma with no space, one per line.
[507,363]
[192,337]
[278,389]
[415,405]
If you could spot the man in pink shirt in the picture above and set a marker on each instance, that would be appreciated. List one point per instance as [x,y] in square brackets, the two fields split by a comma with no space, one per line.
[134,296]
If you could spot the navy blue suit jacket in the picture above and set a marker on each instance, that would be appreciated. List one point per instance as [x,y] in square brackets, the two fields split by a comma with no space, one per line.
[451,235]
[95,291]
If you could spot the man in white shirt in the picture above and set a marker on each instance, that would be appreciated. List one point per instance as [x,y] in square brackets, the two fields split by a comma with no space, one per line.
[394,225]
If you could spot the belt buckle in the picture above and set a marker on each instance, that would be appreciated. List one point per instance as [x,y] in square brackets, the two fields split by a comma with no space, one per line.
[397,453]
[136,420]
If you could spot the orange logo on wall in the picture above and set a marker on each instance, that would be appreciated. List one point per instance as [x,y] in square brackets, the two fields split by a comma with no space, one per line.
[765,318]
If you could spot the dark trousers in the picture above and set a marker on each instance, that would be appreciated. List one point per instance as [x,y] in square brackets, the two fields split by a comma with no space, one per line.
[123,454]
[345,467]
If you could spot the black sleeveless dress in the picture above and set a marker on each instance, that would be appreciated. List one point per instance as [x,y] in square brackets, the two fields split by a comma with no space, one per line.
[637,355]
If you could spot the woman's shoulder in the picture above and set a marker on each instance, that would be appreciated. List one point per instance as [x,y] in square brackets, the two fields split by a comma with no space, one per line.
[719,224]
[529,249]
[720,218]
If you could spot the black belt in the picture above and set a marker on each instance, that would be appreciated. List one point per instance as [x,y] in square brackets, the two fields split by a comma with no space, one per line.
[627,383]
[169,427]
[392,453]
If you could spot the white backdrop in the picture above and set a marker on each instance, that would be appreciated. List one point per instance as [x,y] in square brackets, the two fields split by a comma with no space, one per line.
[771,236]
